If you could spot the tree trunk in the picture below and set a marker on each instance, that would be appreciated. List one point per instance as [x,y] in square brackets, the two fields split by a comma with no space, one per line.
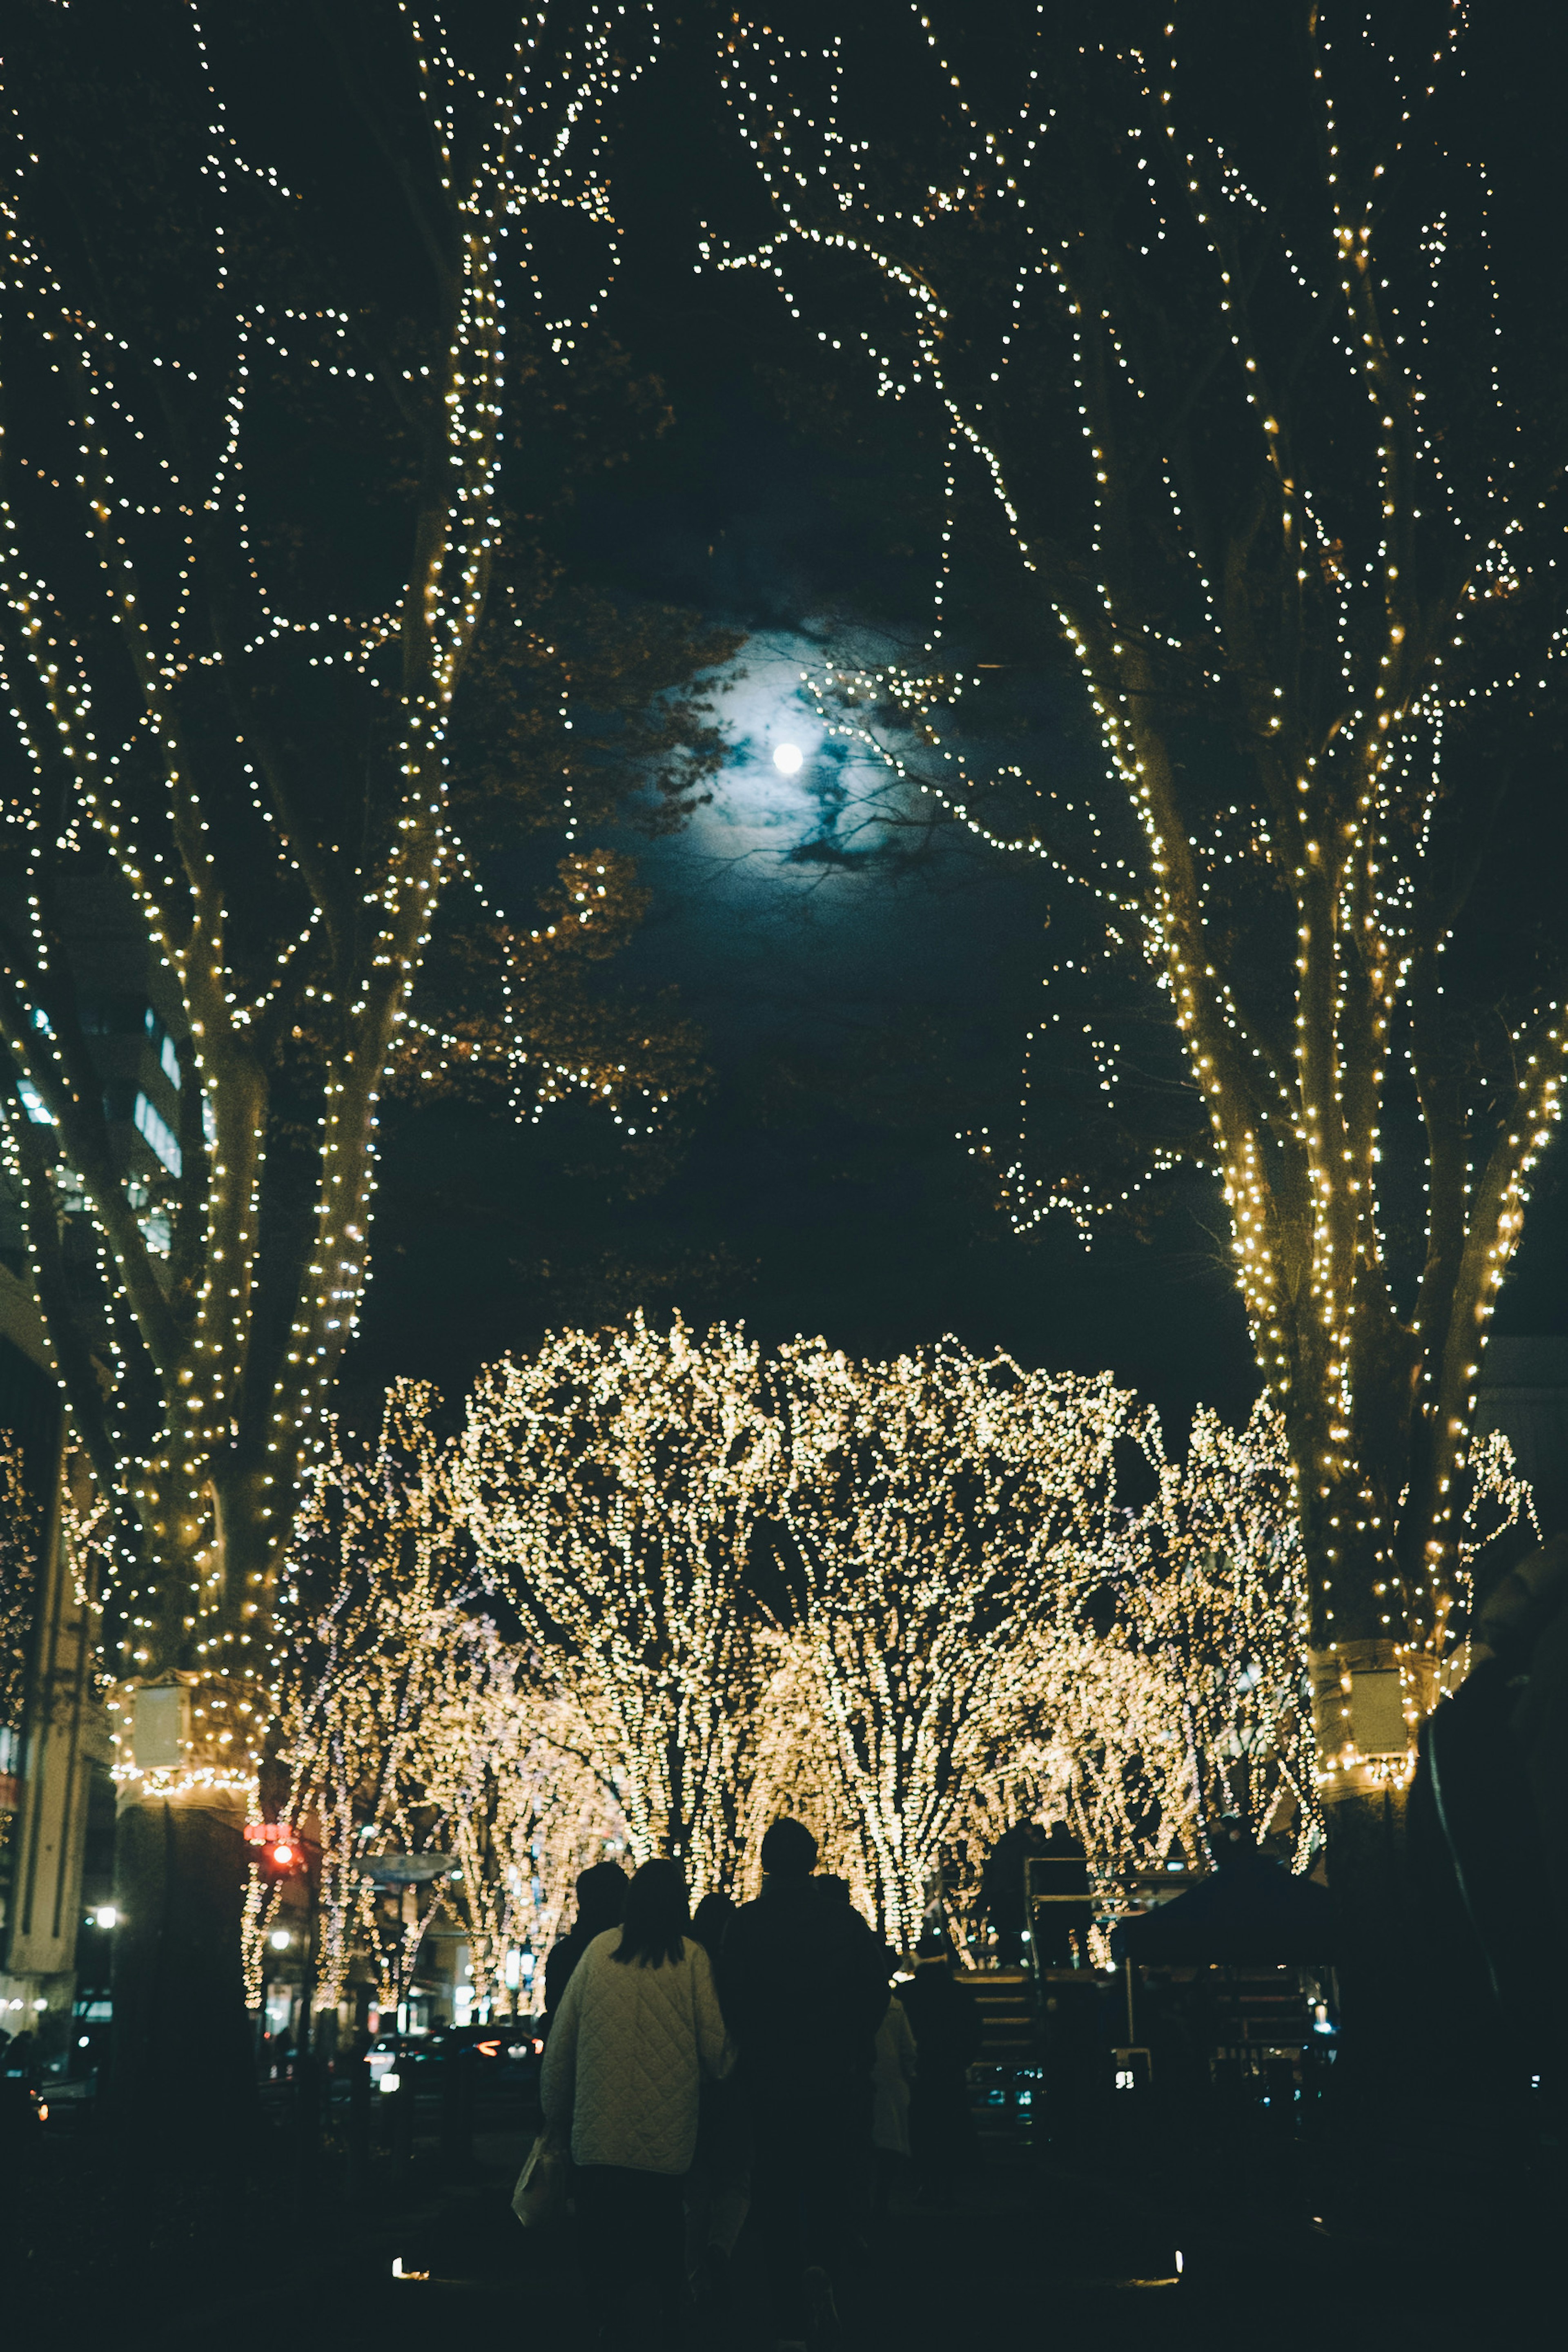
[181,2087]
[1378,1960]
[1364,1780]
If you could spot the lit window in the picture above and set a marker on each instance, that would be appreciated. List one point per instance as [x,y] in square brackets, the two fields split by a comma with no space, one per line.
[157,1133]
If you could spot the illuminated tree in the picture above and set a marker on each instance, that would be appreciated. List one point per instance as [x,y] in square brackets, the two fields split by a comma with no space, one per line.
[971,1625]
[1211,1581]
[257,360]
[935,1508]
[409,1726]
[1093,1733]
[1278,443]
[612,1484]
[797,1768]
[236,697]
[524,1814]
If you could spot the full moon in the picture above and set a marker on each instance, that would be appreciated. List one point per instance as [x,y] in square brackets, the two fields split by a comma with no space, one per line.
[787,758]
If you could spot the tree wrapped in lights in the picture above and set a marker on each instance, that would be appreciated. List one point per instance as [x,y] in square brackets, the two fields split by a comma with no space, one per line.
[256,366]
[1279,451]
[612,1485]
[1093,1736]
[524,1814]
[937,1510]
[1211,1581]
[267,777]
[410,1725]
[797,1768]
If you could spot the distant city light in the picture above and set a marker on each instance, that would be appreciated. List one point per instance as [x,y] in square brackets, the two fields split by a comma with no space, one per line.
[106,1915]
[788,758]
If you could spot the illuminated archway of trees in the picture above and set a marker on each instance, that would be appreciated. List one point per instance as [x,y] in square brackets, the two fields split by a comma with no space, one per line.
[656,1590]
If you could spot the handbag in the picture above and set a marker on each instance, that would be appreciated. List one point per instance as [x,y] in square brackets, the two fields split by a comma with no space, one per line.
[540,2195]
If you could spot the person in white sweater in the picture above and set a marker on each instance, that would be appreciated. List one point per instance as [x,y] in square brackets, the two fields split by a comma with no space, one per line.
[637,2030]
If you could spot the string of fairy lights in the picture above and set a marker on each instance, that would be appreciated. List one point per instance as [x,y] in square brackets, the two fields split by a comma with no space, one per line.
[910,1603]
[18,1580]
[1349,769]
[531,142]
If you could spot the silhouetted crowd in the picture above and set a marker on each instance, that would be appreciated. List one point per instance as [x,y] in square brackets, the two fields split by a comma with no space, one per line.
[750,2063]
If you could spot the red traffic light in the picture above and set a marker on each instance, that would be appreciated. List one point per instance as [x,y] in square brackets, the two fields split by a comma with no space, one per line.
[280,1851]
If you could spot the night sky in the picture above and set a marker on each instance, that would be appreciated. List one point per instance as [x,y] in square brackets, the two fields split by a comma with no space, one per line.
[864,973]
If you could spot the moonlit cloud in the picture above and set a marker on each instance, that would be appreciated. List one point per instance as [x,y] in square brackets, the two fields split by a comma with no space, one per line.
[793,805]
[811,876]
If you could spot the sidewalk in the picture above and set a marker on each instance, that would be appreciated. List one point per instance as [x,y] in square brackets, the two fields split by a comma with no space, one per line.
[1051,2244]
[1037,2254]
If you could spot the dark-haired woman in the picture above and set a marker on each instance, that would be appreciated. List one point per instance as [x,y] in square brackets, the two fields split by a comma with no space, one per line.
[638,2029]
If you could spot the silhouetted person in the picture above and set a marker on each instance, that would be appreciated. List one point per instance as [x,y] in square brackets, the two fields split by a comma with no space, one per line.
[1060,1929]
[1233,1845]
[892,2077]
[1002,1893]
[638,2029]
[944,2018]
[718,2186]
[805,1982]
[601,1904]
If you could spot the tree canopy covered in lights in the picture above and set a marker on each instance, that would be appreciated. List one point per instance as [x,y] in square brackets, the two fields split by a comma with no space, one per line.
[612,1485]
[660,1589]
[932,1507]
[406,1724]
